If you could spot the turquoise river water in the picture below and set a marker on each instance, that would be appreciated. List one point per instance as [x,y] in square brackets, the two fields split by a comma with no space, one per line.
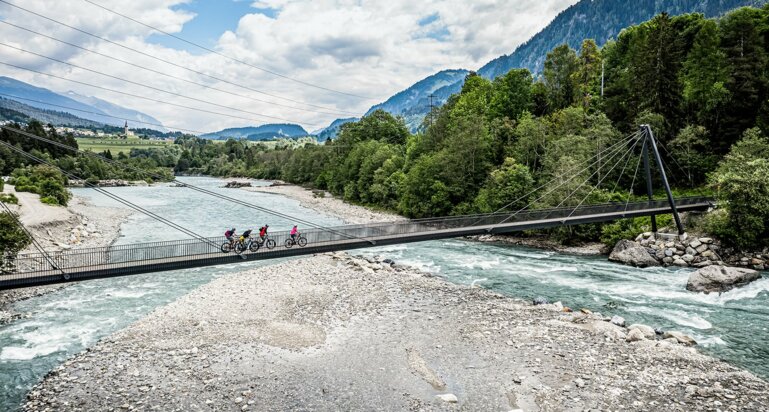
[732,326]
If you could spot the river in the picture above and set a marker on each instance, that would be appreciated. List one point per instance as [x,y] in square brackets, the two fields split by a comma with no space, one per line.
[731,326]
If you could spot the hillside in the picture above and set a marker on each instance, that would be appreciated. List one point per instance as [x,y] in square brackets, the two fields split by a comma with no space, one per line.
[414,103]
[259,133]
[83,107]
[332,130]
[20,112]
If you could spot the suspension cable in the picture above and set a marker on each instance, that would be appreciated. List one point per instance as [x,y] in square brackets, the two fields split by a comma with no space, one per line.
[110,195]
[183,184]
[161,59]
[34,241]
[632,183]
[629,155]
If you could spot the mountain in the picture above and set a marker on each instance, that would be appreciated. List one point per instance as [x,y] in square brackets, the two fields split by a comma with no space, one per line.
[115,110]
[83,107]
[600,20]
[332,130]
[259,133]
[15,111]
[414,103]
[588,19]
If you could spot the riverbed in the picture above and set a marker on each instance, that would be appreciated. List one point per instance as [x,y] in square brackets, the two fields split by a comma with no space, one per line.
[731,326]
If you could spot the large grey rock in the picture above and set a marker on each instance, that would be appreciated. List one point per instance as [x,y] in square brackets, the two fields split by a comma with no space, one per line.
[717,278]
[632,253]
[635,335]
[647,331]
[680,338]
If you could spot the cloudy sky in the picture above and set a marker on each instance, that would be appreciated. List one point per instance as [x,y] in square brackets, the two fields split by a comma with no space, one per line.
[363,51]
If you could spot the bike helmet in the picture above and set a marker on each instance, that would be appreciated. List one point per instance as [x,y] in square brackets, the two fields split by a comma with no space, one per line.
[266,225]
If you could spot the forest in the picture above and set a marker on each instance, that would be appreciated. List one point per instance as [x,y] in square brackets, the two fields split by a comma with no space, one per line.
[702,84]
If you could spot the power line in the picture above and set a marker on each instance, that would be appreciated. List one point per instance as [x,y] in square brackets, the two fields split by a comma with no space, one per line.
[144,97]
[168,61]
[341,112]
[148,86]
[227,56]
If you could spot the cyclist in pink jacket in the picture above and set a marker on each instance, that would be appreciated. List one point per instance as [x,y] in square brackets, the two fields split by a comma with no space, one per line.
[293,233]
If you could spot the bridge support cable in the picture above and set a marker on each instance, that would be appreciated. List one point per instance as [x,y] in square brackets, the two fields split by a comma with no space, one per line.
[34,241]
[629,156]
[604,152]
[635,175]
[169,62]
[615,149]
[112,195]
[650,138]
[187,185]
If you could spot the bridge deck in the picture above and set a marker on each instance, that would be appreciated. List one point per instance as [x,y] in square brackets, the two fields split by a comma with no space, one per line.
[121,260]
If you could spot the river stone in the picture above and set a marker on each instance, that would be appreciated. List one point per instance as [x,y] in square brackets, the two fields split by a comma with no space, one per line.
[702,264]
[680,262]
[647,331]
[448,397]
[706,240]
[618,320]
[701,249]
[669,252]
[716,278]
[667,260]
[687,258]
[540,301]
[631,253]
[690,251]
[635,335]
[680,338]
[695,243]
[707,253]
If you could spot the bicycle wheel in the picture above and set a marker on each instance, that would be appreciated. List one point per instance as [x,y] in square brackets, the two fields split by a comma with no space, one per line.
[254,246]
[302,242]
[270,243]
[288,243]
[226,247]
[239,247]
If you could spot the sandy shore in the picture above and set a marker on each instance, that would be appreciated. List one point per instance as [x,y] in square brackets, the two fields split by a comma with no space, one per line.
[335,332]
[79,225]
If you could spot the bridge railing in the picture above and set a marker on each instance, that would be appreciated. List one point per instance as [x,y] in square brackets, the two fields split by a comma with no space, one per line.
[117,256]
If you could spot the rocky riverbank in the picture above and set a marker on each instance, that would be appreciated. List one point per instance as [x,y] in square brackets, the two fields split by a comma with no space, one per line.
[335,332]
[79,225]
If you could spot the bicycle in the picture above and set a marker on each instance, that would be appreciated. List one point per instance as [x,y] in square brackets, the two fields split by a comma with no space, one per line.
[229,245]
[267,242]
[246,244]
[300,240]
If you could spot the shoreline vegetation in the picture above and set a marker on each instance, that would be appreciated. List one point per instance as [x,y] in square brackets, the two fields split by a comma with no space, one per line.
[336,331]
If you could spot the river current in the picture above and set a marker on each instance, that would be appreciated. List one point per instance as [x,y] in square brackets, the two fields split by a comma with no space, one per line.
[733,326]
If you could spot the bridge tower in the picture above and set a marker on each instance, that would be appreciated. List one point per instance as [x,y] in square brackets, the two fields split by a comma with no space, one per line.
[650,141]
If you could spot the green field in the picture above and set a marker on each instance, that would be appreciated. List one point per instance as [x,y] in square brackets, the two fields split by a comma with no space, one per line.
[116,146]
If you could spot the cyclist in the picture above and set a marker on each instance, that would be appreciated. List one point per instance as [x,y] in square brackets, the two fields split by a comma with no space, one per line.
[293,233]
[245,236]
[230,235]
[263,232]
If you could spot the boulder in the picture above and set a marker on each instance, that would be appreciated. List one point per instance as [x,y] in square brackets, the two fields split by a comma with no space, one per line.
[716,278]
[632,253]
[695,244]
[618,320]
[680,338]
[635,335]
[448,398]
[690,251]
[647,331]
[237,185]
[701,248]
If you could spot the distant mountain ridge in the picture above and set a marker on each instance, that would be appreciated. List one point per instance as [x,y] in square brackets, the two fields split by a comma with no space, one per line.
[588,19]
[332,130]
[83,107]
[13,110]
[259,133]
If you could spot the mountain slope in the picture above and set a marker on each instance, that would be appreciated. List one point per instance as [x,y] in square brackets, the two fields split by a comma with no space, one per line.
[588,19]
[414,103]
[19,112]
[600,20]
[332,130]
[113,109]
[49,100]
[256,133]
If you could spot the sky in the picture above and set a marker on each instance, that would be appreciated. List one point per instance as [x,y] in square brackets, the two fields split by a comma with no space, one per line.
[299,61]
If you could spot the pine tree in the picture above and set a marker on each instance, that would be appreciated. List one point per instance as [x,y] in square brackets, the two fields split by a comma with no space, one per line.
[587,78]
[560,66]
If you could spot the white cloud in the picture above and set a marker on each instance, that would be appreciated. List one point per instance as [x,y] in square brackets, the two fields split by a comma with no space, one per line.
[369,48]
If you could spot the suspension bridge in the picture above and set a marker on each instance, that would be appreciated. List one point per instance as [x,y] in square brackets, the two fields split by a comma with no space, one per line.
[49,267]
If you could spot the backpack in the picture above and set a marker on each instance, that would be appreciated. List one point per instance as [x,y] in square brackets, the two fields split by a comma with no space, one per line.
[228,233]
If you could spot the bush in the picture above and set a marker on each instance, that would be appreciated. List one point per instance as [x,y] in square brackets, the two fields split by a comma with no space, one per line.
[9,198]
[12,240]
[46,181]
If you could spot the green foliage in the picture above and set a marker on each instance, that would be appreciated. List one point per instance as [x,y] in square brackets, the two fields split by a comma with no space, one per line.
[46,181]
[9,198]
[692,152]
[507,186]
[743,187]
[560,68]
[612,233]
[511,94]
[12,240]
